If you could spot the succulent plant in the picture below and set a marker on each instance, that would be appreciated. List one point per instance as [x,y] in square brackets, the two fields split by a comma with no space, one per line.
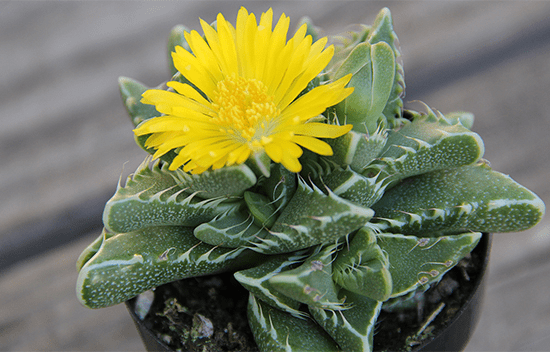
[383,203]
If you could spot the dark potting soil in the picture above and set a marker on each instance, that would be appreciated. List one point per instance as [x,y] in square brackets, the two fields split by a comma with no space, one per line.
[209,313]
[202,314]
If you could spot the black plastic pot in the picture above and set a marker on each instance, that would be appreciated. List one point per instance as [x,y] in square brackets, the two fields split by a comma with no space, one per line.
[453,337]
[150,340]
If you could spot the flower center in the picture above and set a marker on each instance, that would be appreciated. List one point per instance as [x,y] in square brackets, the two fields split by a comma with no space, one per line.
[244,109]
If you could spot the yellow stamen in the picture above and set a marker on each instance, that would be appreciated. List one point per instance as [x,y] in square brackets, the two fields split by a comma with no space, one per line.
[243,107]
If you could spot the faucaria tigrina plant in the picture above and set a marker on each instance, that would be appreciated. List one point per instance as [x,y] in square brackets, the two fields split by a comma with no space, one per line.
[295,166]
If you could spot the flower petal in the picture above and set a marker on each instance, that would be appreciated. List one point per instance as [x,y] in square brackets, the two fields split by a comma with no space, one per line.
[227,45]
[291,163]
[192,69]
[315,145]
[321,130]
[274,151]
[203,53]
[313,69]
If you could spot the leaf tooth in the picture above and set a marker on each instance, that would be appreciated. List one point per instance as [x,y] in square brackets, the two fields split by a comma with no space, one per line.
[258,312]
[173,197]
[465,208]
[391,222]
[437,213]
[225,256]
[421,143]
[138,195]
[210,201]
[314,187]
[300,228]
[322,219]
[375,227]
[262,244]
[413,217]
[186,256]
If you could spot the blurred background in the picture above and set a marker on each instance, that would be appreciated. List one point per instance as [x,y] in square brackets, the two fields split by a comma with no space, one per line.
[65,140]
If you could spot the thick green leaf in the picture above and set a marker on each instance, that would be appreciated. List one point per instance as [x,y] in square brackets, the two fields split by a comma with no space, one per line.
[468,198]
[127,264]
[428,143]
[362,267]
[262,209]
[256,280]
[311,283]
[131,91]
[275,330]
[153,197]
[311,218]
[373,70]
[416,262]
[232,229]
[356,149]
[259,163]
[382,31]
[280,186]
[353,327]
[355,187]
[229,181]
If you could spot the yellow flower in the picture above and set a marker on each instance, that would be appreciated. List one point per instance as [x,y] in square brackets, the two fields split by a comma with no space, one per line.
[247,79]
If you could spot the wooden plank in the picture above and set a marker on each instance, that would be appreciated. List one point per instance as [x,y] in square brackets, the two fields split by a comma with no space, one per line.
[511,108]
[516,313]
[40,310]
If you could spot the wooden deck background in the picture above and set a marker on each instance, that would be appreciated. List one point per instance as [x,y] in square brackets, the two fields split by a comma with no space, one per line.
[64,139]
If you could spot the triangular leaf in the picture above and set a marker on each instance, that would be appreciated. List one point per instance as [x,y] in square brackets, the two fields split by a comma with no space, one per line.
[256,280]
[416,262]
[355,187]
[275,330]
[351,328]
[127,264]
[232,229]
[153,197]
[311,218]
[362,267]
[310,283]
[382,31]
[427,144]
[468,198]
[373,69]
[229,181]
